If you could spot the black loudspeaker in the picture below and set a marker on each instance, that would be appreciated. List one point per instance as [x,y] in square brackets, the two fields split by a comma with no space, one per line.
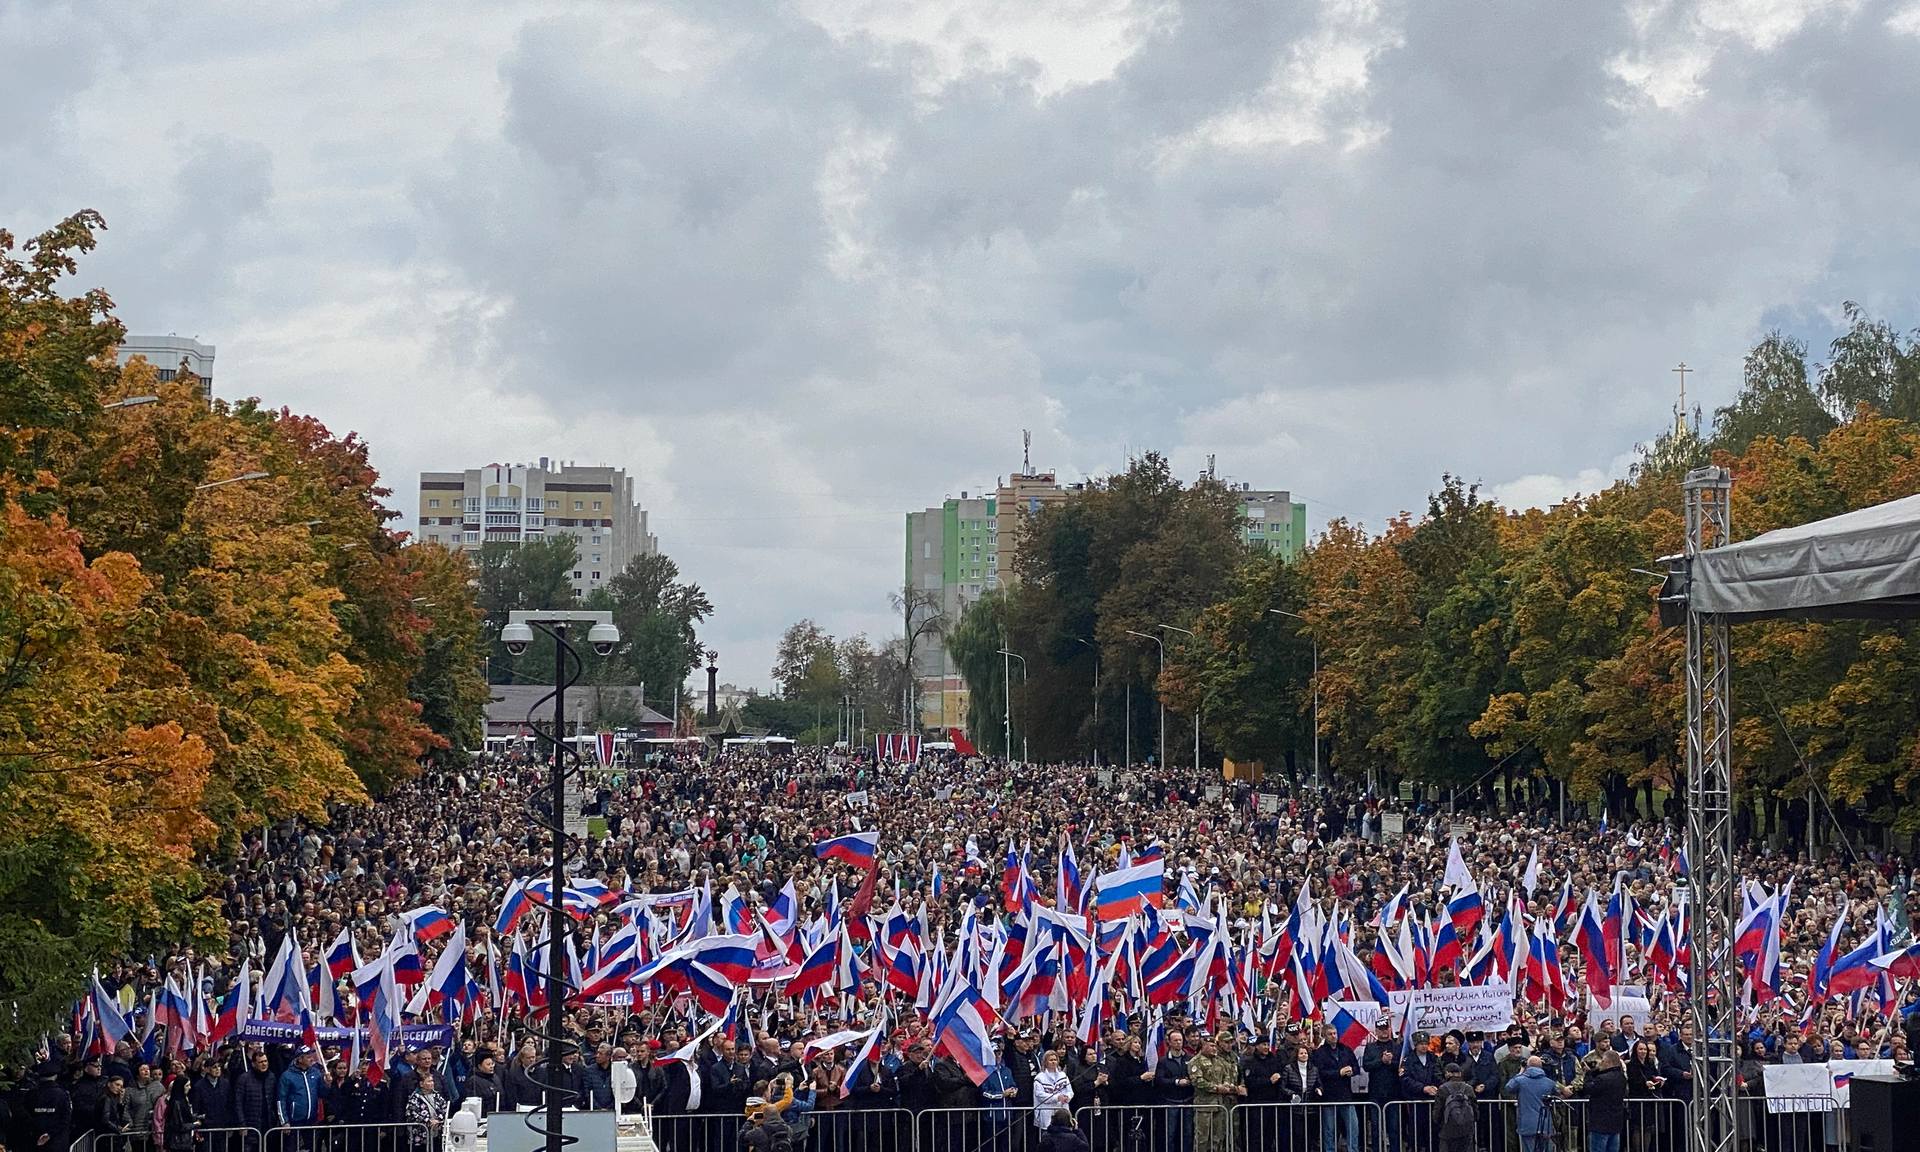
[1884,1113]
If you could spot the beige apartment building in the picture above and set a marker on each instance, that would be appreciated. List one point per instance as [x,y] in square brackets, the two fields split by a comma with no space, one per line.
[514,503]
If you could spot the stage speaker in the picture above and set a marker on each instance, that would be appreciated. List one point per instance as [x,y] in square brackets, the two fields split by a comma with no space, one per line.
[1884,1113]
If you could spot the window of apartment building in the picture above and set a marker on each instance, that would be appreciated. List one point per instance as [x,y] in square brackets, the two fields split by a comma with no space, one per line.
[553,504]
[596,555]
[596,505]
[433,501]
[576,505]
[596,575]
[576,574]
[434,536]
[473,537]
[473,503]
[926,549]
[596,540]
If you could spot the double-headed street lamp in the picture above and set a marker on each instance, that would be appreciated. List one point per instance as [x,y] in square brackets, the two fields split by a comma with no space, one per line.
[1196,707]
[517,636]
[1156,690]
[1006,700]
[1096,698]
[1316,695]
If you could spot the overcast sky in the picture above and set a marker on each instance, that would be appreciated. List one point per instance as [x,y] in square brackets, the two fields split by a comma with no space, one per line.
[804,266]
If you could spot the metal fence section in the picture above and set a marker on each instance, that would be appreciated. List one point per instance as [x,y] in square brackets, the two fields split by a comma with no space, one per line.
[840,1129]
[1151,1127]
[1792,1123]
[139,1141]
[398,1136]
[1342,1126]
[990,1128]
[1564,1124]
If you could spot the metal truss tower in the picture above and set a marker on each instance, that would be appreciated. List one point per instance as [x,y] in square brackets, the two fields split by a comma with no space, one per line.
[1715,890]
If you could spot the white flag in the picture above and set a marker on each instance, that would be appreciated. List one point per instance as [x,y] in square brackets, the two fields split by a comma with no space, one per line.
[1457,877]
[1531,879]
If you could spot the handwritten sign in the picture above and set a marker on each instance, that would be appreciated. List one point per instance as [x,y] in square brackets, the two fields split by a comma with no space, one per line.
[1486,1008]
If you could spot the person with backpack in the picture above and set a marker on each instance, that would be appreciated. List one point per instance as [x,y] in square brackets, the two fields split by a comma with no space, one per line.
[1455,1112]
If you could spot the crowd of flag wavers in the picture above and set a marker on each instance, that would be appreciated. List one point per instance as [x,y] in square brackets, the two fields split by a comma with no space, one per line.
[815,932]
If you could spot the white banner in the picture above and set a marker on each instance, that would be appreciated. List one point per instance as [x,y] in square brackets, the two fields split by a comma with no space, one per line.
[1486,1008]
[1268,803]
[859,799]
[1845,1070]
[1799,1088]
[1628,1000]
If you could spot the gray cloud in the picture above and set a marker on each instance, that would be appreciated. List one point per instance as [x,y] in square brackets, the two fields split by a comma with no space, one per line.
[804,268]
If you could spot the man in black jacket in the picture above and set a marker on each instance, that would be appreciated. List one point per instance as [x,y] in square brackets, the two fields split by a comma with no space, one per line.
[254,1088]
[1420,1078]
[1174,1080]
[213,1097]
[86,1094]
[1260,1128]
[49,1110]
[1337,1065]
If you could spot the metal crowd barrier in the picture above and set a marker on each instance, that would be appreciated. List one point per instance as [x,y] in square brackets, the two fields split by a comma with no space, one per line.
[988,1128]
[1646,1125]
[1309,1126]
[211,1140]
[394,1136]
[1150,1127]
[1792,1123]
[840,1129]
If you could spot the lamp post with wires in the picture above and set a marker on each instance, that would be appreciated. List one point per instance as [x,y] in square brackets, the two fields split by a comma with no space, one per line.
[1156,690]
[1196,707]
[1007,702]
[1096,697]
[1316,696]
[517,636]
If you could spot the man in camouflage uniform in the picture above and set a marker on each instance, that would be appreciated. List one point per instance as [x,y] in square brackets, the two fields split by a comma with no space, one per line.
[1216,1085]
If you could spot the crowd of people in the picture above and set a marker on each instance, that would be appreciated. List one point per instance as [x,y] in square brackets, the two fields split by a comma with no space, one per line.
[458,839]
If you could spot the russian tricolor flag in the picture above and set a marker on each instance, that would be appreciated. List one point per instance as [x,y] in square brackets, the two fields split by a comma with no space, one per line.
[818,968]
[1351,1031]
[859,849]
[1124,891]
[426,923]
[512,908]
[963,1029]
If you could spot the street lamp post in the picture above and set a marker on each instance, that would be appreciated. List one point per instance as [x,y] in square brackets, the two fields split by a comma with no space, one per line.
[1007,701]
[1196,707]
[1096,698]
[1316,698]
[129,402]
[517,636]
[1156,690]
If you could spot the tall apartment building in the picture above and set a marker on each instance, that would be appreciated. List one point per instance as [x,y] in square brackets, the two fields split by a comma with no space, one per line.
[951,553]
[512,503]
[1273,521]
[168,354]
[1020,495]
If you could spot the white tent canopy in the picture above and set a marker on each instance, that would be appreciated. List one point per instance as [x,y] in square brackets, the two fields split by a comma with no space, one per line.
[1860,564]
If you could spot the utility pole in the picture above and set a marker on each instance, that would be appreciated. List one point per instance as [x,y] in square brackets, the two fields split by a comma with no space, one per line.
[1316,700]
[1156,690]
[1096,698]
[1196,707]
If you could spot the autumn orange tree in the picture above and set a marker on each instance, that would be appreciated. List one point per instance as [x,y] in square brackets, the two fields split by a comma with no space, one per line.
[188,657]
